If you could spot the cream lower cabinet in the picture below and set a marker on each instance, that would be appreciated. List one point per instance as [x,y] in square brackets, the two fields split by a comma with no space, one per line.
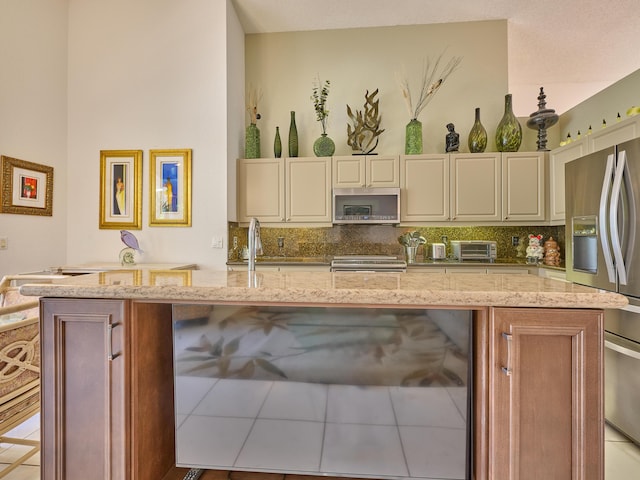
[545,413]
[357,171]
[276,190]
[523,186]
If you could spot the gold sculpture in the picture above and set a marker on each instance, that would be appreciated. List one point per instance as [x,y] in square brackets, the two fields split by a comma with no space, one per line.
[366,126]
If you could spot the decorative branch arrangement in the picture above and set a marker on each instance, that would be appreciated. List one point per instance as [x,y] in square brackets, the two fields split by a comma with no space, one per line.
[432,80]
[319,98]
[366,126]
[252,105]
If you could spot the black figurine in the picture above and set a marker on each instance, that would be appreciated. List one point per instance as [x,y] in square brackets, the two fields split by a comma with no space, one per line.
[452,139]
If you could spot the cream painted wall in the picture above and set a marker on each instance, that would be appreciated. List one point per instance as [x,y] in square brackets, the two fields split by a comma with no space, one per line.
[283,66]
[33,43]
[151,74]
[604,105]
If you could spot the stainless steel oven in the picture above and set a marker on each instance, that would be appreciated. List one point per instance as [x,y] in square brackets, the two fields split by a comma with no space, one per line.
[622,369]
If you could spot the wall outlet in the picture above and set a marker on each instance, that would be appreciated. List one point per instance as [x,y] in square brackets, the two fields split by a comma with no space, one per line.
[4,243]
[235,242]
[515,241]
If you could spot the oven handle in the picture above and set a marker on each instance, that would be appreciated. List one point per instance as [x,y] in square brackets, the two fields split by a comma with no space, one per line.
[612,343]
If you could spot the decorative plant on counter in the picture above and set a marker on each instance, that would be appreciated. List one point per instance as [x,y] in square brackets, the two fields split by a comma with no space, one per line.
[412,239]
[366,126]
[252,136]
[432,80]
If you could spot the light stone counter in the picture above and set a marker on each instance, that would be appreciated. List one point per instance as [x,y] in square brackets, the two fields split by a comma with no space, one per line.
[339,288]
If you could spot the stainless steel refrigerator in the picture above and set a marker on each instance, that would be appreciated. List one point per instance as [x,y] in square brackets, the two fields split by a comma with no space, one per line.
[602,195]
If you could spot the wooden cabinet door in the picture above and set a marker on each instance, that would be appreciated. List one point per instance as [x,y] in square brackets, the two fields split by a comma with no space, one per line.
[261,188]
[558,158]
[475,187]
[382,171]
[523,192]
[545,380]
[424,188]
[84,413]
[308,190]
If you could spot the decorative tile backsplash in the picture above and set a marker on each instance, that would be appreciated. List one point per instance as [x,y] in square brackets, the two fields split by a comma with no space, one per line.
[383,239]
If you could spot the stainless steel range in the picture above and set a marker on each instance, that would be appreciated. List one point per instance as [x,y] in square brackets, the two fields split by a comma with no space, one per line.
[367,263]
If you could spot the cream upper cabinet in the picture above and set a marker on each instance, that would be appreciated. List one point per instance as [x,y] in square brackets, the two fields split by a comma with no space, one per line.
[424,188]
[620,132]
[276,190]
[523,182]
[357,171]
[476,193]
[558,158]
[261,189]
[308,189]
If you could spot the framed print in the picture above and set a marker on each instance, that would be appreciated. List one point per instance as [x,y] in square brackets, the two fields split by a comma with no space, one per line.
[120,277]
[27,187]
[178,278]
[121,189]
[170,188]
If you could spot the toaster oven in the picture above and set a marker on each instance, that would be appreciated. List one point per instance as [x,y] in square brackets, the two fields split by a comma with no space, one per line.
[479,250]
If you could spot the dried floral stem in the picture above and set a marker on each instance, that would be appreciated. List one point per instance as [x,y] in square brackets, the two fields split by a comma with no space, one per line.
[252,105]
[432,80]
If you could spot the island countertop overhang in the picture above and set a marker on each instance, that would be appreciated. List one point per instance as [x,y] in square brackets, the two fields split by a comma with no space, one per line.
[338,288]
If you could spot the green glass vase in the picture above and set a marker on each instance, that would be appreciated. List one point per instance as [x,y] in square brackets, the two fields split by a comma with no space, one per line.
[277,144]
[509,131]
[252,142]
[324,146]
[293,136]
[413,137]
[477,135]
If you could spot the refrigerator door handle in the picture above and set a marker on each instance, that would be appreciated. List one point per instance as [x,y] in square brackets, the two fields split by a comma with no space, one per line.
[602,224]
[613,217]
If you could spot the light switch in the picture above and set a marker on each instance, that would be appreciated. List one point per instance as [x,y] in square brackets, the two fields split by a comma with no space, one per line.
[217,242]
[4,243]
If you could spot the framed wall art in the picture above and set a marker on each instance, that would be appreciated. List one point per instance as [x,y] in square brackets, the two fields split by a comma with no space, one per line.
[27,187]
[121,189]
[170,190]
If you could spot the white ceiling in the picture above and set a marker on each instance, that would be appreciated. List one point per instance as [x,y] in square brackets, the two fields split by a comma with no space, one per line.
[574,48]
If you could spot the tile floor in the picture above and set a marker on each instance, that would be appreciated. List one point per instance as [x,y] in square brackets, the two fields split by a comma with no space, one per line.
[622,458]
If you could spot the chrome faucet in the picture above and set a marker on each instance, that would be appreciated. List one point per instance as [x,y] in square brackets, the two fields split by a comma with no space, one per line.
[255,244]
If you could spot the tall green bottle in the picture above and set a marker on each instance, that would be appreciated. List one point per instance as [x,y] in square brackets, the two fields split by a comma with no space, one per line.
[293,136]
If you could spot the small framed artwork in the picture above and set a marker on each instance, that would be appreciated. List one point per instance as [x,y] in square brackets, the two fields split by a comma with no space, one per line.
[178,278]
[121,189]
[27,187]
[120,277]
[170,188]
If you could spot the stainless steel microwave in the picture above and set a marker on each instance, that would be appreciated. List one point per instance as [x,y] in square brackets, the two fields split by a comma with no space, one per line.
[366,205]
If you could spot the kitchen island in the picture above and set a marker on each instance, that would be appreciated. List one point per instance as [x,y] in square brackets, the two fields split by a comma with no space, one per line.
[107,362]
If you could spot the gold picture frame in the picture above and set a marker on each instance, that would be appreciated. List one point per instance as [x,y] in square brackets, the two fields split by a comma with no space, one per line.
[170,188]
[27,187]
[121,189]
[178,278]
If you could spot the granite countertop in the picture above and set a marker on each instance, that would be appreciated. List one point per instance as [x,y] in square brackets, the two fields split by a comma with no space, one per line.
[414,288]
[420,263]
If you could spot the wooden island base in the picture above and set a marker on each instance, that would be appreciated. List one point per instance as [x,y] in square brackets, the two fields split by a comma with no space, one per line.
[107,367]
